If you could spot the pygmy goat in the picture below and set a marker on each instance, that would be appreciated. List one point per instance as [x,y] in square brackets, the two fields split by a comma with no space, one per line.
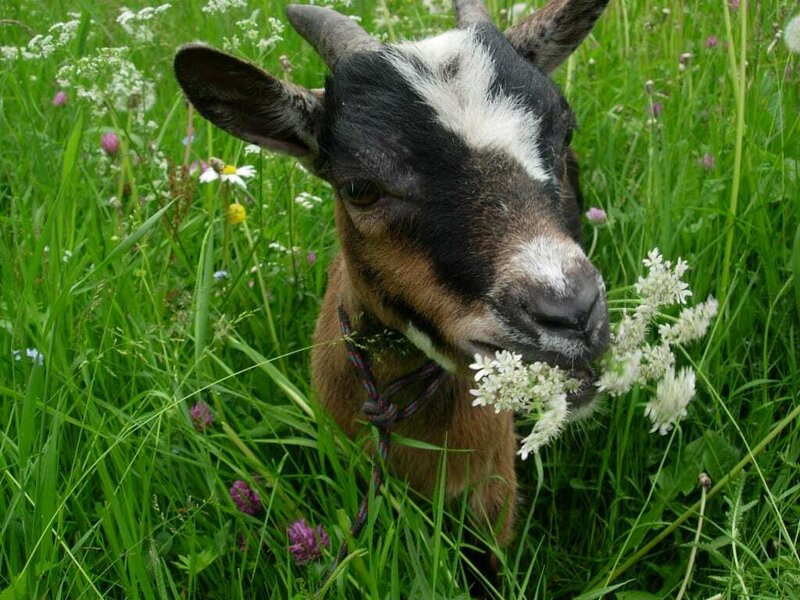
[457,209]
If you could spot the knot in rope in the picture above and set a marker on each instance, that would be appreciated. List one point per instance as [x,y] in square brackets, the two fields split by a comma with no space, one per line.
[382,413]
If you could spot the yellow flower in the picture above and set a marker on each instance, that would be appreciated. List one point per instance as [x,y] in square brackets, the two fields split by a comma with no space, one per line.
[236,214]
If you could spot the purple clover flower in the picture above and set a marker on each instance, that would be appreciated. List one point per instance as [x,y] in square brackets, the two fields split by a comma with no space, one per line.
[109,142]
[245,498]
[656,108]
[305,543]
[708,162]
[201,416]
[60,99]
[712,41]
[311,258]
[596,215]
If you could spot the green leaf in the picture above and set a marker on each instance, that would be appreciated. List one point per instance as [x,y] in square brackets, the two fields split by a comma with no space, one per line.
[18,590]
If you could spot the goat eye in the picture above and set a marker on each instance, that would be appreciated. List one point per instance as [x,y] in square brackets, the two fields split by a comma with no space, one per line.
[360,192]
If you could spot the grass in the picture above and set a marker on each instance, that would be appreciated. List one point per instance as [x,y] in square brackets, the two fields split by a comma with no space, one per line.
[106,488]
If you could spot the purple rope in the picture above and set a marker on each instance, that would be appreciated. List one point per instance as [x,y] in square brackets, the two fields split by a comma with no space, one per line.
[383,414]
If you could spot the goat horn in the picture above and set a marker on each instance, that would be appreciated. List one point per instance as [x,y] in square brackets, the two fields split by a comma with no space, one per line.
[551,34]
[471,12]
[334,36]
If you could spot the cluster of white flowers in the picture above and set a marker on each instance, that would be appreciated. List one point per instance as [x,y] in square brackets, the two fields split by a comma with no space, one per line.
[308,201]
[136,24]
[506,383]
[538,389]
[253,33]
[126,88]
[633,361]
[219,7]
[43,45]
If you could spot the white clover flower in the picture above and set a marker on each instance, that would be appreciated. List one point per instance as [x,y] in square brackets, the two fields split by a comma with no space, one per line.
[229,174]
[692,323]
[673,395]
[252,149]
[547,427]
[791,35]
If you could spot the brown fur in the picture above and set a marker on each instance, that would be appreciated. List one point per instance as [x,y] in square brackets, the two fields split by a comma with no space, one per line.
[482,443]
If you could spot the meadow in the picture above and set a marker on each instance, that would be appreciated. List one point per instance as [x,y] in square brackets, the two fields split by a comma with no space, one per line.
[152,353]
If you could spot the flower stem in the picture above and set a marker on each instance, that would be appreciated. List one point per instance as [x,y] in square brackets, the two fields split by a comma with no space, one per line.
[740,86]
[705,483]
[262,286]
[226,228]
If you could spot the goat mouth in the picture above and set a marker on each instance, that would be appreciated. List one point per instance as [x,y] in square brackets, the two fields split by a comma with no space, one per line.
[582,371]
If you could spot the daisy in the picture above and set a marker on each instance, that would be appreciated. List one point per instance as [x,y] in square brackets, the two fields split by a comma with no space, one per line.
[227,173]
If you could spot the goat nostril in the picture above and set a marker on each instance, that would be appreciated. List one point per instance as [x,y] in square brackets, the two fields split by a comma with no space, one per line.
[568,315]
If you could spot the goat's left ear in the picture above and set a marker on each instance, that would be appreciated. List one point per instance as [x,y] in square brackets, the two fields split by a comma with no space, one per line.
[248,102]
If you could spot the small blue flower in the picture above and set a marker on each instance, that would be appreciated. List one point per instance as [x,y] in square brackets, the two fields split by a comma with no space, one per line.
[220,275]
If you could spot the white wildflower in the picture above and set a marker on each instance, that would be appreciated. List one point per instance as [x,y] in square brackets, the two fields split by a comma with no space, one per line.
[228,174]
[218,7]
[307,200]
[278,247]
[663,285]
[620,374]
[220,275]
[35,356]
[43,45]
[791,35]
[251,149]
[108,79]
[136,24]
[673,395]
[17,355]
[692,323]
[655,361]
[505,382]
[548,426]
[9,53]
[67,255]
[630,334]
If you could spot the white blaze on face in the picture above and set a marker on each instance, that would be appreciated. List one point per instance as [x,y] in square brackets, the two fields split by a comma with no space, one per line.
[548,261]
[456,84]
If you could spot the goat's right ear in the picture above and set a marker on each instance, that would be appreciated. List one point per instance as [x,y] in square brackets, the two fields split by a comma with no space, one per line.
[248,102]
